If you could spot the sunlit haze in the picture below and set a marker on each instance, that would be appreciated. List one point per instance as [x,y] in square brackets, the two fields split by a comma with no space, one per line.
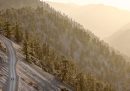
[64,45]
[123,4]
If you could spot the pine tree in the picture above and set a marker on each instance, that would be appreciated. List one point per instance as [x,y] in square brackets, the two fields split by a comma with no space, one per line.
[81,84]
[17,34]
[25,46]
[7,30]
[25,49]
[65,71]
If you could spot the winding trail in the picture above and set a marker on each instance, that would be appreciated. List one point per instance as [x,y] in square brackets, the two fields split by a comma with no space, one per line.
[44,80]
[12,79]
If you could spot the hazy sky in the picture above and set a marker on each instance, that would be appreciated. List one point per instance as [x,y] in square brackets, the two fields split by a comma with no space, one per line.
[123,4]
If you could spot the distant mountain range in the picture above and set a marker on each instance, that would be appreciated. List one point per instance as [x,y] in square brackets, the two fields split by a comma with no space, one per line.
[100,19]
[121,40]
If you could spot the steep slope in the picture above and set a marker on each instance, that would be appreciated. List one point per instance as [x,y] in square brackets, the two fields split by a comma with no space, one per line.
[121,40]
[31,77]
[58,42]
[23,86]
[100,19]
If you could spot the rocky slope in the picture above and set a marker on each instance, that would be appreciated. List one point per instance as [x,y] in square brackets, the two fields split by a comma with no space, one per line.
[31,78]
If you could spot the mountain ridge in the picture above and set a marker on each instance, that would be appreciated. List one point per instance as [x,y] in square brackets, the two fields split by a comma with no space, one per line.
[92,17]
[120,40]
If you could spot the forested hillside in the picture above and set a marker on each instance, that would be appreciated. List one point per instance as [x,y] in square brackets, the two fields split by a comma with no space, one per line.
[66,49]
[51,61]
[4,4]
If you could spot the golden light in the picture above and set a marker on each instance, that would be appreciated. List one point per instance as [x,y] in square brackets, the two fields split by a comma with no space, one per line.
[122,4]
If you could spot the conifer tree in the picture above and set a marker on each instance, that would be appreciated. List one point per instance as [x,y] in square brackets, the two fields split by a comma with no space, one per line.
[64,72]
[17,34]
[25,46]
[7,30]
